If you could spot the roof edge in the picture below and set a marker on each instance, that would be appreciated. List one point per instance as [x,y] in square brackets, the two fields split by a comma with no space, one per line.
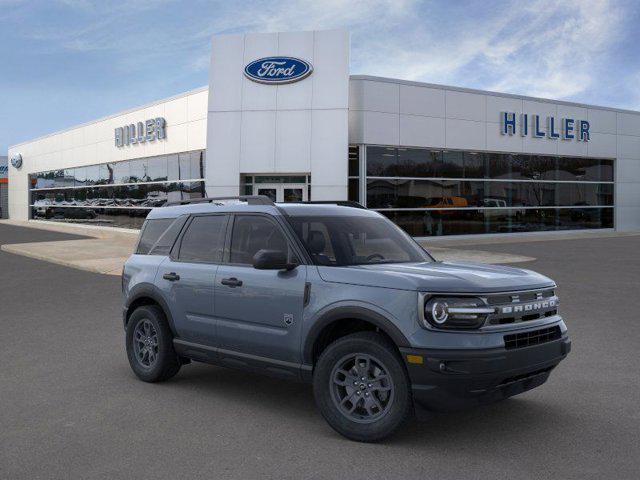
[489,92]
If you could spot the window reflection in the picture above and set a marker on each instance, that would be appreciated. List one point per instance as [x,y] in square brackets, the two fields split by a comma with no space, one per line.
[420,162]
[117,193]
[431,223]
[443,193]
[446,192]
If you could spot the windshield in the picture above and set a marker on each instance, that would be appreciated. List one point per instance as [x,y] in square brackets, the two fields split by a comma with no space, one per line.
[356,240]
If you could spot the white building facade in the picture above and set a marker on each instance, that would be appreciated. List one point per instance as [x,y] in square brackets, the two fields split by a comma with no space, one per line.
[282,117]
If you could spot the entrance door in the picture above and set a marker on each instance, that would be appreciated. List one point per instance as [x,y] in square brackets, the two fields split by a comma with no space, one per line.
[282,192]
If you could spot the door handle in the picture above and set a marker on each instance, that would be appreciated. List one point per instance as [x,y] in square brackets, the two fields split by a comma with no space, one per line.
[172,277]
[231,282]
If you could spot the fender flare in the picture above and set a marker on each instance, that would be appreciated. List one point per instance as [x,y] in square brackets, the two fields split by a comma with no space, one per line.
[351,312]
[149,291]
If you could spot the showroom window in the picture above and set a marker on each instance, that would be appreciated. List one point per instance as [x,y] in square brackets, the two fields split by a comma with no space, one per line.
[449,192]
[118,194]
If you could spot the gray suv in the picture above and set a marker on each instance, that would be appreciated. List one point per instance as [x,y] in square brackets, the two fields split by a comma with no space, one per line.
[338,296]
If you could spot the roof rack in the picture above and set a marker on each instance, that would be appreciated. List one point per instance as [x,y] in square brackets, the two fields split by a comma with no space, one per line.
[340,203]
[250,199]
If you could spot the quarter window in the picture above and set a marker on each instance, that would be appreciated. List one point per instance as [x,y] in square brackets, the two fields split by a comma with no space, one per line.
[151,233]
[204,240]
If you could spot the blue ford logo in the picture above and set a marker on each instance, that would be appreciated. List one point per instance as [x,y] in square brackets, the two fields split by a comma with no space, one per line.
[277,70]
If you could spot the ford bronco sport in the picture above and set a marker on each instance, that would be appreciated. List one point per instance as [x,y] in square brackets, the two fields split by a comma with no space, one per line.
[338,296]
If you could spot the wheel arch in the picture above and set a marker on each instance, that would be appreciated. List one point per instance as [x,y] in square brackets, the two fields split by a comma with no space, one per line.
[328,322]
[147,294]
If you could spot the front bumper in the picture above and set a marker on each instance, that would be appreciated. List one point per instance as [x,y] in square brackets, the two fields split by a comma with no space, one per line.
[449,380]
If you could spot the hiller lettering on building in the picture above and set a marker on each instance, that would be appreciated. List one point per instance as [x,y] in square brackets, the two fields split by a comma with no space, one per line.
[147,131]
[533,125]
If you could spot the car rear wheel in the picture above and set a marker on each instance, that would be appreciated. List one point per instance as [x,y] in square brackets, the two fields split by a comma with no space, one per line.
[362,388]
[150,345]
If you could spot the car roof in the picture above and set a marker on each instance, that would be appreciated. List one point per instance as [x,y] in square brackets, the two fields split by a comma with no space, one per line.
[292,209]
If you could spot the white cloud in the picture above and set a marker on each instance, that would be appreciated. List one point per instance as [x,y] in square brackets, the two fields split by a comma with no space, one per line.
[540,48]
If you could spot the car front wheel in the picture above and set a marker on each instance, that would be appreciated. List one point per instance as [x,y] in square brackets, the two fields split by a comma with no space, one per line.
[362,388]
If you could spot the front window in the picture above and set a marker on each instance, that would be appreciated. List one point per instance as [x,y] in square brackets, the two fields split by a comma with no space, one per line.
[355,240]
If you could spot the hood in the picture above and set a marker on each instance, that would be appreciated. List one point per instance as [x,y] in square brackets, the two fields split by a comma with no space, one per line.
[446,277]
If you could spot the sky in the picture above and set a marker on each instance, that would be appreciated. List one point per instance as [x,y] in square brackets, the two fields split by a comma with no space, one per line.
[66,62]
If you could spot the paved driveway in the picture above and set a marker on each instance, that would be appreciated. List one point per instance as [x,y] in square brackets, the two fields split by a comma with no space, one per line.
[71,408]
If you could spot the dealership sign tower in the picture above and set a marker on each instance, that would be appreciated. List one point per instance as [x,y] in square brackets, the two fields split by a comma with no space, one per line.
[278,105]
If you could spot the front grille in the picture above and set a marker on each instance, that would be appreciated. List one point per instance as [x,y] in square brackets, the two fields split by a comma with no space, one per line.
[535,337]
[522,306]
[529,296]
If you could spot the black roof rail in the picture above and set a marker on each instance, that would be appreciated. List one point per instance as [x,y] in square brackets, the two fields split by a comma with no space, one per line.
[250,199]
[339,203]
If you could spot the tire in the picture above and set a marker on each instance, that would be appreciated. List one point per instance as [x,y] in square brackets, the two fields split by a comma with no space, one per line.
[388,403]
[160,363]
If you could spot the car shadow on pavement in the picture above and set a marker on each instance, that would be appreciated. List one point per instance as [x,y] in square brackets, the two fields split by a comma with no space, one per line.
[270,396]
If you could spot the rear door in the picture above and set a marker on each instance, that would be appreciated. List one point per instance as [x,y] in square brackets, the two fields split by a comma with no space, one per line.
[187,277]
[259,312]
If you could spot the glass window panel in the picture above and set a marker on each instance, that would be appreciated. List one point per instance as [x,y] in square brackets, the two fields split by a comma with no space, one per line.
[121,172]
[192,190]
[203,160]
[382,161]
[281,179]
[534,167]
[158,170]
[452,164]
[354,190]
[354,161]
[197,164]
[139,170]
[58,178]
[45,180]
[475,165]
[606,171]
[418,162]
[80,176]
[92,175]
[105,174]
[156,195]
[173,167]
[184,164]
[499,165]
[585,169]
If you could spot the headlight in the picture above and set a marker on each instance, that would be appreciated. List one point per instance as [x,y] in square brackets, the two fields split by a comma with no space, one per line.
[452,312]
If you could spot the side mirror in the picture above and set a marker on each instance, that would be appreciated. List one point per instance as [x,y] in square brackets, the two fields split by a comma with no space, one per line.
[272,260]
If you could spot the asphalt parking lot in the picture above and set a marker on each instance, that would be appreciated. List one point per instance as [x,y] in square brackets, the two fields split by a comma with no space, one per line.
[71,408]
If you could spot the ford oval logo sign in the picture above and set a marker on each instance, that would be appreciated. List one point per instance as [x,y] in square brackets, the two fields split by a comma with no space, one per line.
[16,160]
[278,70]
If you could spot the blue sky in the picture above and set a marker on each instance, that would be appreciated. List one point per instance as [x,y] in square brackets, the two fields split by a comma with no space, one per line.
[66,62]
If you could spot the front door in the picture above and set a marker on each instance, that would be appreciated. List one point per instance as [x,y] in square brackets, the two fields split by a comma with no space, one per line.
[282,192]
[259,312]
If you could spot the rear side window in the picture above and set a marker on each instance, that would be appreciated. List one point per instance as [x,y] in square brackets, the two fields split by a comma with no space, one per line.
[204,239]
[151,232]
[168,238]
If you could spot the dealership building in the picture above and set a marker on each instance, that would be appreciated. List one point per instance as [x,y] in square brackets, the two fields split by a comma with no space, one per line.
[283,117]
